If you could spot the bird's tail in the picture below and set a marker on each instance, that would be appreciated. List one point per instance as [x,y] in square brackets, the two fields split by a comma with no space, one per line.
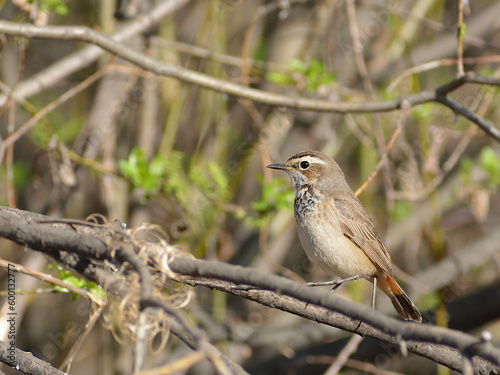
[402,303]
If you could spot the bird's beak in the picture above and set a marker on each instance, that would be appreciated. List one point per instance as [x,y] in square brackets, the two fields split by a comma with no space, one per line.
[282,167]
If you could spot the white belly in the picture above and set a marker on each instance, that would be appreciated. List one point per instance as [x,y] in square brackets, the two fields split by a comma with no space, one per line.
[330,249]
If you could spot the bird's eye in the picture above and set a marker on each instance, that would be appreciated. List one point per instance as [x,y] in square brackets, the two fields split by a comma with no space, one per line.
[304,164]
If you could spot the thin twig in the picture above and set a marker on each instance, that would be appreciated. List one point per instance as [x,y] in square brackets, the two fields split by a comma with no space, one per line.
[9,149]
[344,355]
[460,38]
[53,280]
[81,59]
[352,363]
[53,105]
[481,103]
[363,73]
[178,366]
[199,337]
[66,364]
[438,63]
[402,117]
[486,126]
[215,56]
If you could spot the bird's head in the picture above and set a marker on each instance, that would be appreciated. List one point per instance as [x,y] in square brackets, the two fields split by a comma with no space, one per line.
[313,168]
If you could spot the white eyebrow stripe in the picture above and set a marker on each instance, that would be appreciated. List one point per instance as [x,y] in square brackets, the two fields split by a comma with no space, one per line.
[313,159]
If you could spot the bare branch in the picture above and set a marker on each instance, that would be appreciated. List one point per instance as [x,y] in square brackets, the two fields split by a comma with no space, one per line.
[203,80]
[396,328]
[487,127]
[86,56]
[272,290]
[41,234]
[26,361]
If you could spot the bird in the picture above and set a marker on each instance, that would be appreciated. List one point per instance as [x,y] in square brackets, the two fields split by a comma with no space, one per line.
[337,233]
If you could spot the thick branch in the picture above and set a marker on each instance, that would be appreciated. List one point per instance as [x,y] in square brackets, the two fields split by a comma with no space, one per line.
[439,354]
[49,238]
[254,285]
[398,329]
[25,361]
[88,35]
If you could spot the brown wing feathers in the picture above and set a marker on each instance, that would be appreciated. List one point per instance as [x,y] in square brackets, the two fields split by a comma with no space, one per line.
[362,232]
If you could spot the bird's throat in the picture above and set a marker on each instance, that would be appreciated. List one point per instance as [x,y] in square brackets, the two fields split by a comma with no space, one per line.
[306,199]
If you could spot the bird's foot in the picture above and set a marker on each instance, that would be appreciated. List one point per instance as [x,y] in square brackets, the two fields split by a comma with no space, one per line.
[334,283]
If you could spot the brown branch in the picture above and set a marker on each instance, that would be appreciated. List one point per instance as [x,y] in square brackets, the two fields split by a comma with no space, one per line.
[486,126]
[436,353]
[162,68]
[25,361]
[438,63]
[81,59]
[55,237]
[25,231]
[401,119]
[267,289]
[460,37]
[462,342]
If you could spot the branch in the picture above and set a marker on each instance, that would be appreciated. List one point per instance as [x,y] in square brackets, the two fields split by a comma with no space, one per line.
[273,291]
[25,361]
[162,68]
[56,72]
[49,238]
[55,238]
[446,271]
[397,329]
[195,338]
[487,127]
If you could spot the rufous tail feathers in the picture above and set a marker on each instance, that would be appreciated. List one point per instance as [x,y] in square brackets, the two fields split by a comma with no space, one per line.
[402,303]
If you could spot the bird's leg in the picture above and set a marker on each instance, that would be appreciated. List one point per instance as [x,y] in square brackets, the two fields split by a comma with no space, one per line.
[374,291]
[335,283]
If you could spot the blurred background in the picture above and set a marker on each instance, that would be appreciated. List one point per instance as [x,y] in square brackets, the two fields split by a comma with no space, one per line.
[142,148]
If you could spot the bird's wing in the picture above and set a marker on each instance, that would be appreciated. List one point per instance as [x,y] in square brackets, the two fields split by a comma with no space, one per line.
[358,227]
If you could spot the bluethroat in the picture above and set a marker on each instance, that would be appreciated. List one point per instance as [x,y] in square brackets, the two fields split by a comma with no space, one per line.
[336,232]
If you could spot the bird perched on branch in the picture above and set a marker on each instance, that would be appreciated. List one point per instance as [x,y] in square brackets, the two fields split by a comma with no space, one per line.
[336,232]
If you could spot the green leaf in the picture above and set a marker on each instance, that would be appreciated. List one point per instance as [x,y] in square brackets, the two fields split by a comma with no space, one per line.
[466,165]
[59,7]
[280,78]
[276,195]
[96,290]
[421,112]
[298,66]
[143,174]
[401,210]
[313,74]
[461,31]
[490,162]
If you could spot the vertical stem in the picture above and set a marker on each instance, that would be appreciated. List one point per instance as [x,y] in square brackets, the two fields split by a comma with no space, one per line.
[460,37]
[9,157]
[363,73]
